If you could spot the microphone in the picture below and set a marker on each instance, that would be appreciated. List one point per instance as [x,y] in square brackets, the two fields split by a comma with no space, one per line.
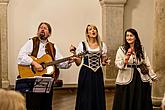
[129,52]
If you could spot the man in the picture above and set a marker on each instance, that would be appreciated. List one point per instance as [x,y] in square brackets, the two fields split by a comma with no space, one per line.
[37,47]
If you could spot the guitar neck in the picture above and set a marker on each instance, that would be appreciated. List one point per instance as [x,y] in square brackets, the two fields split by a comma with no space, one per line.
[57,61]
[64,59]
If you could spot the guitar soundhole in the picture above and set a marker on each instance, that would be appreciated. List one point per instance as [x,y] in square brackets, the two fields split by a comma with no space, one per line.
[50,70]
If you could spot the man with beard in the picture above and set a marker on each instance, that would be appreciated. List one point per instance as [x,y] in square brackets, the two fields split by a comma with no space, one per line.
[37,47]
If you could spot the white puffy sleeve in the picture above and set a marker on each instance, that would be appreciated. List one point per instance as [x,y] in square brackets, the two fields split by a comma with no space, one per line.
[119,61]
[23,56]
[63,65]
[151,71]
[104,49]
[79,48]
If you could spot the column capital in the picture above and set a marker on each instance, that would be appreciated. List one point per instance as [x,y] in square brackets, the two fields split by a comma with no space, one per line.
[4,1]
[113,1]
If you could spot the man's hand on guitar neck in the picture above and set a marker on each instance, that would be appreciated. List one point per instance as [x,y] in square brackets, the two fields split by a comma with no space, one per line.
[37,66]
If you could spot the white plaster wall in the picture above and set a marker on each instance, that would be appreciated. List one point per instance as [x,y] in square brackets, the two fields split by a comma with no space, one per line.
[139,14]
[68,19]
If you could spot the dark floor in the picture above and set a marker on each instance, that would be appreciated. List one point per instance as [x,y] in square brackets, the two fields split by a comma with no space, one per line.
[64,99]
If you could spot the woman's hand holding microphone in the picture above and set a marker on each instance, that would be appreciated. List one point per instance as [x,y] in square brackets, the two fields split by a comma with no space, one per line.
[128,54]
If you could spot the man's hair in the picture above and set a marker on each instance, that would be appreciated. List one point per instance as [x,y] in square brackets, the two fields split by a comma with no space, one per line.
[48,25]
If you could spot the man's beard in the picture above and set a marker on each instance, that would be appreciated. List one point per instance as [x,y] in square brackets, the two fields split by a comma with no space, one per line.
[42,36]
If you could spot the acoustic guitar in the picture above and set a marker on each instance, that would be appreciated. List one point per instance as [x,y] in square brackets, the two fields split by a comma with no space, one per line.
[47,63]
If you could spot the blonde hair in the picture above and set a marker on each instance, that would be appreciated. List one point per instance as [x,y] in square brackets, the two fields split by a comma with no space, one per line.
[11,100]
[97,37]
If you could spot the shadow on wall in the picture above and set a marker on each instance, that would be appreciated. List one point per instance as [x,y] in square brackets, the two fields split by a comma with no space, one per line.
[129,7]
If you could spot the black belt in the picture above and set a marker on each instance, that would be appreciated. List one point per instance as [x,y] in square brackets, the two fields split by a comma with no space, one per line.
[133,66]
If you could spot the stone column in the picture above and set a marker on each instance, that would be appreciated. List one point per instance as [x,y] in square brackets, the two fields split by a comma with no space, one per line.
[112,26]
[159,52]
[0,62]
[4,44]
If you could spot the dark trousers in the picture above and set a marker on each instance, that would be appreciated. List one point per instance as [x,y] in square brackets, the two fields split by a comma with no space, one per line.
[39,101]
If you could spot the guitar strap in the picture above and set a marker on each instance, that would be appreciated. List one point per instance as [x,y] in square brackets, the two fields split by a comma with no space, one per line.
[36,43]
[49,49]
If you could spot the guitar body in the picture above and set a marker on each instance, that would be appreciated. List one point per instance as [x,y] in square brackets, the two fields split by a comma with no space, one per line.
[29,71]
[47,62]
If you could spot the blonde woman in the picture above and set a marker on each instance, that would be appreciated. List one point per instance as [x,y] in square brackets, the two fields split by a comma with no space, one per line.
[11,100]
[90,93]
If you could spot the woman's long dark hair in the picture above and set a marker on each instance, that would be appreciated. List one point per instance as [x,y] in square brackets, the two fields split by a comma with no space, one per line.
[137,45]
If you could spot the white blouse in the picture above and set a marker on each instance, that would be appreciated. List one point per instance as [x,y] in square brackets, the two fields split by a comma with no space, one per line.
[125,74]
[80,48]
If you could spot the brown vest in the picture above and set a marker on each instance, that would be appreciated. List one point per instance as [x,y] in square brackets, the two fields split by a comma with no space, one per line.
[49,49]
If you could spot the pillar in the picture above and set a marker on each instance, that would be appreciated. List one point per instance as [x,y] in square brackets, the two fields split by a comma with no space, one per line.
[3,44]
[0,62]
[159,52]
[112,26]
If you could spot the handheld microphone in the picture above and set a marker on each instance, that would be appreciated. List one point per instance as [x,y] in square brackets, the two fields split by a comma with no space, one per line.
[130,51]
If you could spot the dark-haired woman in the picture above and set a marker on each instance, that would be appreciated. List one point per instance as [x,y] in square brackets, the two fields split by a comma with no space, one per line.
[133,89]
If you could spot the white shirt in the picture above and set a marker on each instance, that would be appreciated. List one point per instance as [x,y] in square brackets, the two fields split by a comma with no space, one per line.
[26,50]
[80,48]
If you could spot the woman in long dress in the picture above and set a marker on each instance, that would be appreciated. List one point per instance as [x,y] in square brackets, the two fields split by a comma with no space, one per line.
[133,89]
[90,92]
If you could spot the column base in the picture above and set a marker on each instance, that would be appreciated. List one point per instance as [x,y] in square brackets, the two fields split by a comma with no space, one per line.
[5,84]
[110,82]
[156,102]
